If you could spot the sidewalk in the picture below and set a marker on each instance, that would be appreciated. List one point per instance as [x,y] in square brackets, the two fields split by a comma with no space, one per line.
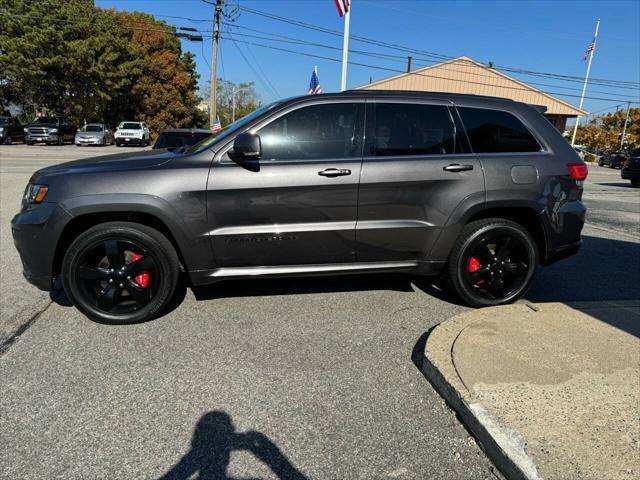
[550,391]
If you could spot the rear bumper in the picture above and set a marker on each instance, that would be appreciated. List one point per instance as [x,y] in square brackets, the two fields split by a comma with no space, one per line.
[630,174]
[563,252]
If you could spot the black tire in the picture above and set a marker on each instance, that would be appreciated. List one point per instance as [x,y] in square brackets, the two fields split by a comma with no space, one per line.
[635,183]
[500,276]
[90,253]
[28,142]
[7,140]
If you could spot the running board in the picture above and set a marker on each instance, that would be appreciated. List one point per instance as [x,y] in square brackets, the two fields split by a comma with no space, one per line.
[315,269]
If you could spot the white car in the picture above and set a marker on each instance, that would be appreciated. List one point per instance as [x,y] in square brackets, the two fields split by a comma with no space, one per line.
[132,133]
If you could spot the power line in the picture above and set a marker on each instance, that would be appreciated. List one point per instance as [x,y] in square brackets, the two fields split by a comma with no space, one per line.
[255,72]
[396,58]
[377,67]
[409,49]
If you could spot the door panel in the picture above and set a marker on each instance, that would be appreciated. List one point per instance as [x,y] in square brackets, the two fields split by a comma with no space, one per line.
[281,210]
[407,193]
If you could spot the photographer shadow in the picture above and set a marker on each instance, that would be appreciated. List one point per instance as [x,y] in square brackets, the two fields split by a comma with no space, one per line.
[213,441]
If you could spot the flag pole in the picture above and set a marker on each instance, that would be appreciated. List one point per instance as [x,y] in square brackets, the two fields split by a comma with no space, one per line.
[345,48]
[586,79]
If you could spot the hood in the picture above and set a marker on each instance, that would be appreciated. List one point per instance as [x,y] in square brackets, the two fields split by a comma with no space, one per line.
[116,162]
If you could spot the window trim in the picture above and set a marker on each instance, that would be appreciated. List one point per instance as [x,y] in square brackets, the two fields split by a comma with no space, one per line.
[260,123]
[544,147]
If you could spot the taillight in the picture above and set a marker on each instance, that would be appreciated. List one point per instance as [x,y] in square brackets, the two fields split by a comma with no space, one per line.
[578,171]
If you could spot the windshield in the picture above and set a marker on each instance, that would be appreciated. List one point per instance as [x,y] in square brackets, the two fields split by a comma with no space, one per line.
[130,126]
[46,120]
[231,128]
[91,128]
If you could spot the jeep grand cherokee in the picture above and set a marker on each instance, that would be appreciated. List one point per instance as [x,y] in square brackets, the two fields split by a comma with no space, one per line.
[481,189]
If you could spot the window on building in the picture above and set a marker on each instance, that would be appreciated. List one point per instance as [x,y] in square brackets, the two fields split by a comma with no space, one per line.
[314,132]
[494,131]
[413,129]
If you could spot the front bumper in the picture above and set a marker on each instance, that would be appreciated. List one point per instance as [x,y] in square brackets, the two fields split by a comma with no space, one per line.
[129,141]
[36,231]
[47,138]
[88,141]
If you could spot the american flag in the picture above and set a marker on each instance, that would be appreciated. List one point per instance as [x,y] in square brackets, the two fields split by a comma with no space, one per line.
[216,127]
[314,84]
[342,6]
[590,49]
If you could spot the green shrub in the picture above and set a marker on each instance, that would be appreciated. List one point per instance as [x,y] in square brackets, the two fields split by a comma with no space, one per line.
[590,158]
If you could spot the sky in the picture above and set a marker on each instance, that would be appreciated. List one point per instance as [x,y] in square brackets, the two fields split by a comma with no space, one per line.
[544,36]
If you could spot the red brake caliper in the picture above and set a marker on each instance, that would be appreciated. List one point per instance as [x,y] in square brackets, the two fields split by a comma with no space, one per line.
[143,278]
[473,265]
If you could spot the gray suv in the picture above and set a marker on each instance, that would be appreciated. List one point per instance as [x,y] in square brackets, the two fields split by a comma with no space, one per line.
[483,190]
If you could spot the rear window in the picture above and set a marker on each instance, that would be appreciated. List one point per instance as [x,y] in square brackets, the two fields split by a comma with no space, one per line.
[413,129]
[494,131]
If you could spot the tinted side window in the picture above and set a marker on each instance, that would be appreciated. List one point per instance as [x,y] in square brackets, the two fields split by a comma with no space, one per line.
[493,131]
[413,129]
[314,132]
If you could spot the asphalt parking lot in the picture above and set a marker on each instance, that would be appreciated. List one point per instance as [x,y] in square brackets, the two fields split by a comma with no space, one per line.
[297,378]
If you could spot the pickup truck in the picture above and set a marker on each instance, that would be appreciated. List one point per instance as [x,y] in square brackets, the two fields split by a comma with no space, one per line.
[50,130]
[10,131]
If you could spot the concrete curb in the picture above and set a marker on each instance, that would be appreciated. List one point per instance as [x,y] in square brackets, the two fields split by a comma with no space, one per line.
[504,448]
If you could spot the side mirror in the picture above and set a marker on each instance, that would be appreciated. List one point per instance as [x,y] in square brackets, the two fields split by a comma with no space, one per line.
[246,146]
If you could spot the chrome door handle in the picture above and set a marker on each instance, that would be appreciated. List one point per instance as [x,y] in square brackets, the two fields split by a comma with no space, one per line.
[334,172]
[455,167]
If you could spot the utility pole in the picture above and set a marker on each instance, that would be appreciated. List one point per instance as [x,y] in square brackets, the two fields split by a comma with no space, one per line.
[214,62]
[586,79]
[409,60]
[624,129]
[233,104]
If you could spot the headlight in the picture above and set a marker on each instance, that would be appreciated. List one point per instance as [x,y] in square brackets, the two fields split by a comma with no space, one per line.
[1,129]
[53,130]
[35,193]
[26,130]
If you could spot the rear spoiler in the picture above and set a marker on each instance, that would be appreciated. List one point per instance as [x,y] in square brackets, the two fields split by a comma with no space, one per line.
[539,108]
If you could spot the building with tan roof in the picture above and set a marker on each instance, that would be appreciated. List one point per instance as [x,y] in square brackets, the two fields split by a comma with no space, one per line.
[465,75]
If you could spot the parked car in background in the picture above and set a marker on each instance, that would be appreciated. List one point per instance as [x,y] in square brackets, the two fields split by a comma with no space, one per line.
[132,133]
[174,138]
[613,160]
[631,170]
[480,188]
[586,155]
[94,134]
[10,131]
[50,130]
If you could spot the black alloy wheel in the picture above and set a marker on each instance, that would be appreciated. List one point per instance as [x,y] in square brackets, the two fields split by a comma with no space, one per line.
[120,272]
[493,262]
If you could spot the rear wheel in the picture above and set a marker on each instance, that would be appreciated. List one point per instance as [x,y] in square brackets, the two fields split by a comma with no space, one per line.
[120,272]
[492,262]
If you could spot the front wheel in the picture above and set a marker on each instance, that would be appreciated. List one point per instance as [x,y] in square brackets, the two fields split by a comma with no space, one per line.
[8,140]
[120,272]
[492,262]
